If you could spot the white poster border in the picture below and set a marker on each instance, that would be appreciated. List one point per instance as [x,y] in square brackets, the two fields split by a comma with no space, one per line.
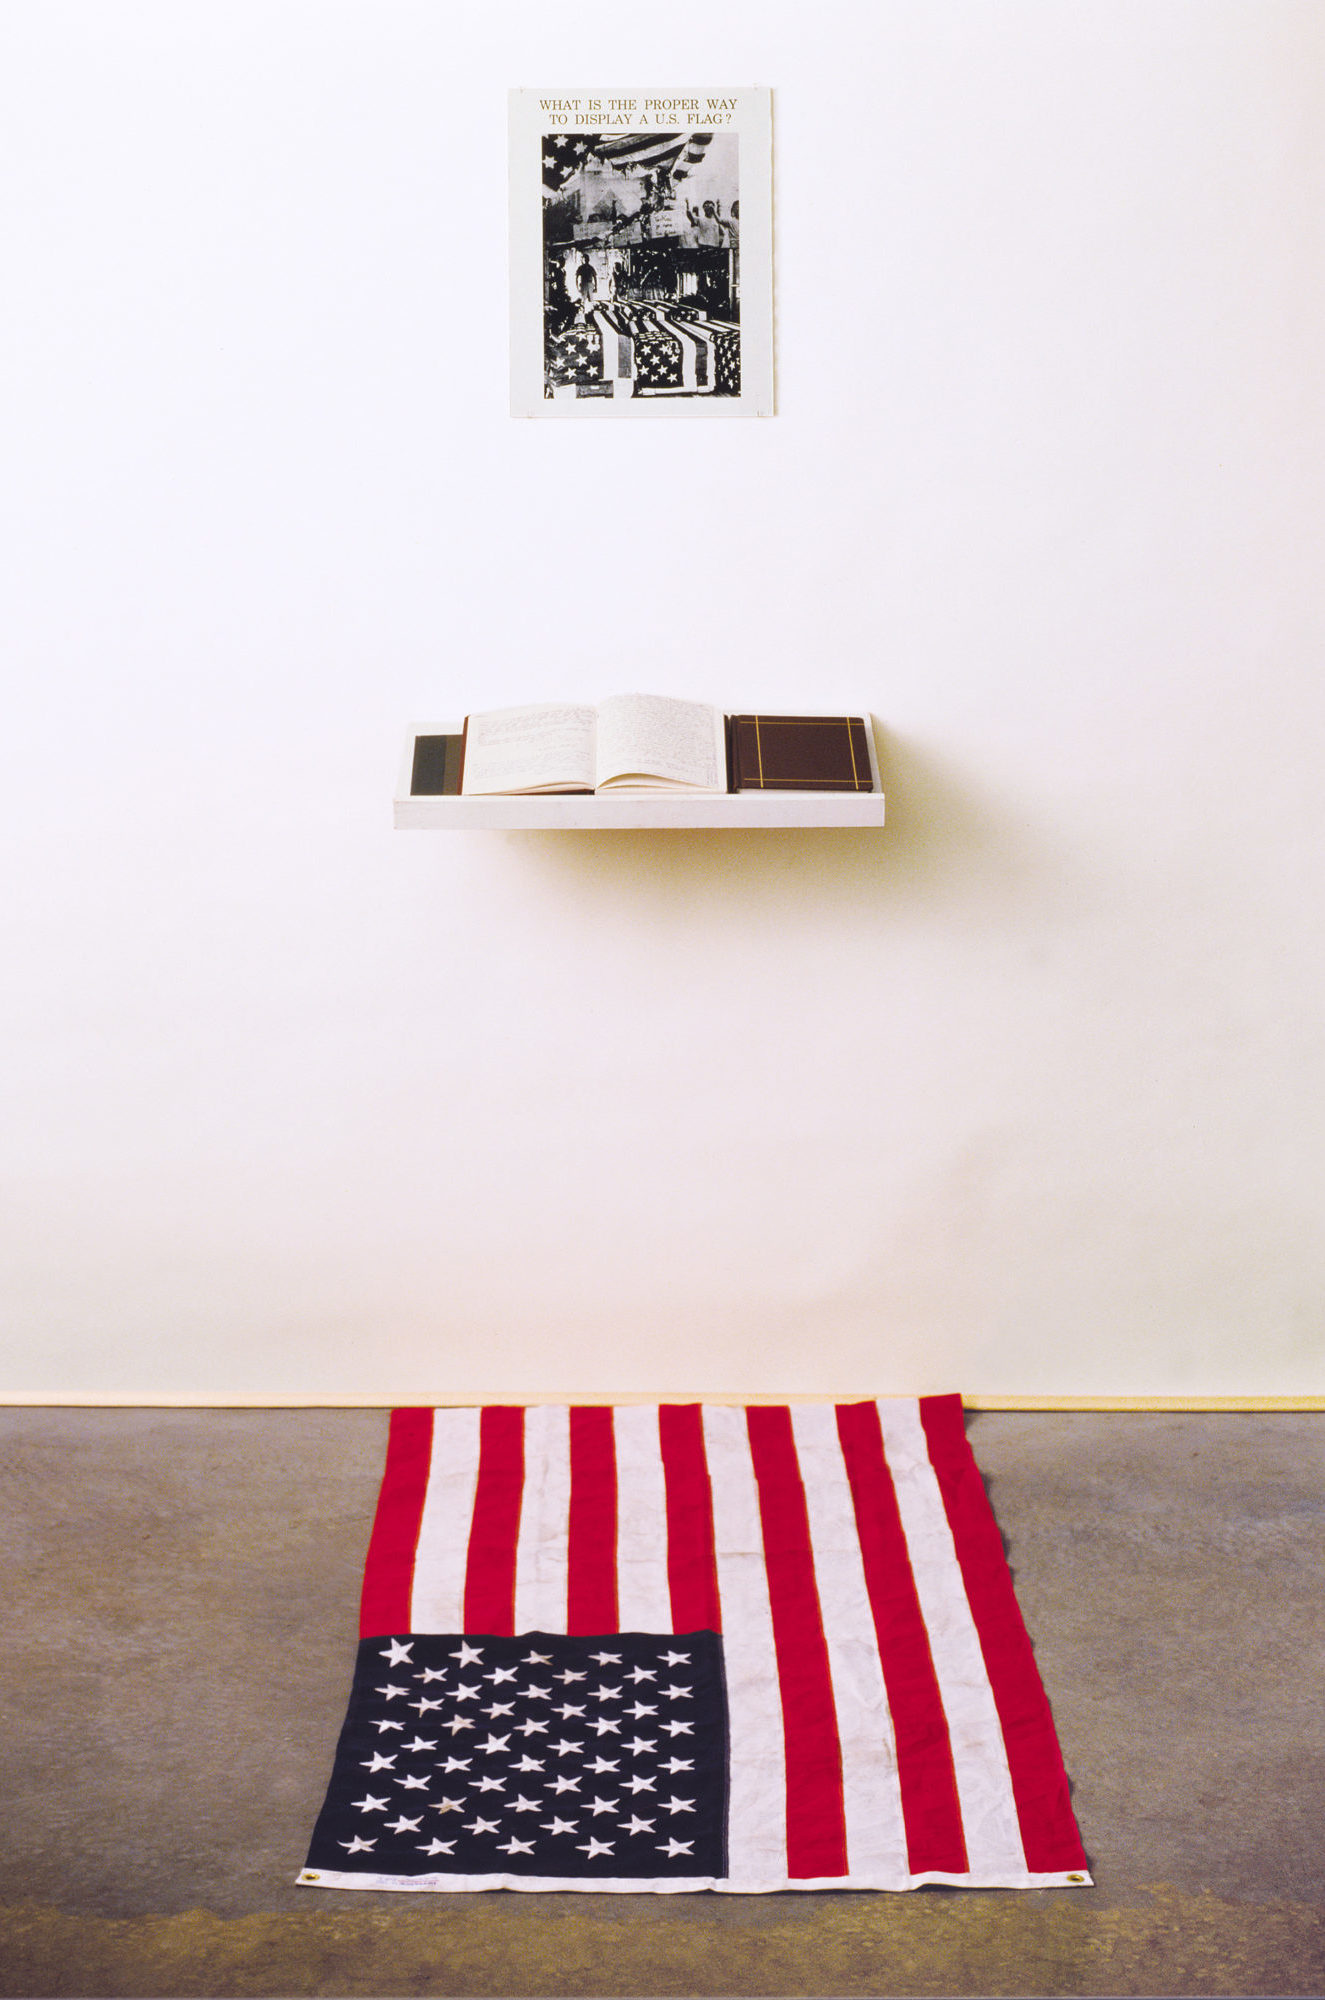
[537,116]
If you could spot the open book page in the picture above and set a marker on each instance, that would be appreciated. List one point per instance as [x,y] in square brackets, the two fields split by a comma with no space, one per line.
[652,742]
[548,747]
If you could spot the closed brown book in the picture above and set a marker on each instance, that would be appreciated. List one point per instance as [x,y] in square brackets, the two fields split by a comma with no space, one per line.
[437,761]
[800,753]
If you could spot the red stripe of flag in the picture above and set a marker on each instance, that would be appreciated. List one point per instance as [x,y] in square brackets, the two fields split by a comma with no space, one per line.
[1039,1782]
[692,1563]
[931,1809]
[388,1574]
[816,1822]
[591,1595]
[495,1526]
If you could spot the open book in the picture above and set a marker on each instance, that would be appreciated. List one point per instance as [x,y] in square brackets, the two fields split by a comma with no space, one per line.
[632,742]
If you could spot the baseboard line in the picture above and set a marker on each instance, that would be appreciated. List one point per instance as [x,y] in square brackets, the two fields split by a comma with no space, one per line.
[1179,1403]
[43,1399]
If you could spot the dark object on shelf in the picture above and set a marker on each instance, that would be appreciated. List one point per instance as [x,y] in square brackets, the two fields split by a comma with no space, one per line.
[800,753]
[436,766]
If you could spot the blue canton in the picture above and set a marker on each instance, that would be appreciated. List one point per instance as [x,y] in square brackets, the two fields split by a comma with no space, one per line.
[539,1755]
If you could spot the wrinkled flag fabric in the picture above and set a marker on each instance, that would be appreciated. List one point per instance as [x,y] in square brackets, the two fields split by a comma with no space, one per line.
[682,1646]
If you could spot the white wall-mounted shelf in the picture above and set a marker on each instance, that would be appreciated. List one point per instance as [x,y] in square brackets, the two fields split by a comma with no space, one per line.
[589,811]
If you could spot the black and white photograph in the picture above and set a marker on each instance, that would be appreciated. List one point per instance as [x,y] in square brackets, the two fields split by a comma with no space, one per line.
[646,285]
[642,278]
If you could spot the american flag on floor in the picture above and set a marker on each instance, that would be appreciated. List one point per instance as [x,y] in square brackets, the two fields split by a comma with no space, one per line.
[681,1646]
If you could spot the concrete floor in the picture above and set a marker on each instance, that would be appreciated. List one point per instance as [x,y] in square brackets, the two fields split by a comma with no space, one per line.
[181,1594]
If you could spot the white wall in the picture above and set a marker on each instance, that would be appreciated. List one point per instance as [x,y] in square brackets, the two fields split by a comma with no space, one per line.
[1019,1096]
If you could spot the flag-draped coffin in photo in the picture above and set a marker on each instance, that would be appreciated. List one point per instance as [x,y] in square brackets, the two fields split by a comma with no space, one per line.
[674,1647]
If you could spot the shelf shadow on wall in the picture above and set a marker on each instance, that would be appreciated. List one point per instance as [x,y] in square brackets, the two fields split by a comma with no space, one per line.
[949,838]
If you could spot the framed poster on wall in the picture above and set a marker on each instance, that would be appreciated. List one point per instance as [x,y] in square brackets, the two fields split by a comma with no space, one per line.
[641,253]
